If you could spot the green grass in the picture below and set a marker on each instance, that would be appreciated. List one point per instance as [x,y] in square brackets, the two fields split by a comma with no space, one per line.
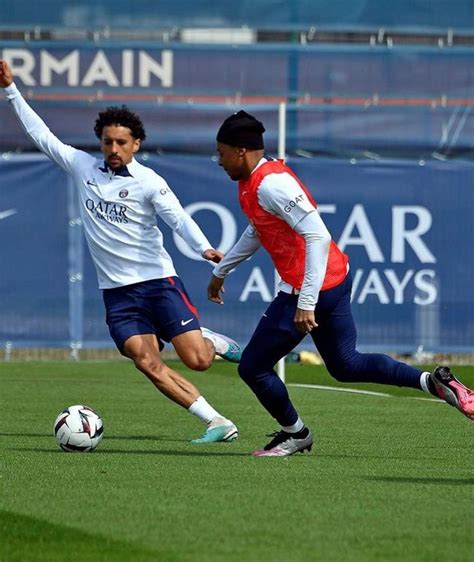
[389,479]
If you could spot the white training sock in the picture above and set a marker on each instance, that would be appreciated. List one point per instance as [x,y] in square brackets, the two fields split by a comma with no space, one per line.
[203,410]
[424,382]
[297,426]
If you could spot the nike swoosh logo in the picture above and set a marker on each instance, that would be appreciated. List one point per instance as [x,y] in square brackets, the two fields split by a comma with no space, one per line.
[6,214]
[91,183]
[184,322]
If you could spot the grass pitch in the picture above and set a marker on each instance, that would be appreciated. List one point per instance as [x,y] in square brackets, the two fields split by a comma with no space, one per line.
[389,478]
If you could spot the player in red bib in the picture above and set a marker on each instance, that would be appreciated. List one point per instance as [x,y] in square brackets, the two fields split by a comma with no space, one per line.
[314,292]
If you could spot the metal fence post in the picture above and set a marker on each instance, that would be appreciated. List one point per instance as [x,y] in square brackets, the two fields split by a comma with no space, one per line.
[75,273]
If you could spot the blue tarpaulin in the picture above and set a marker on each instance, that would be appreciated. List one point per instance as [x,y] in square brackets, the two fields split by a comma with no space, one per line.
[407,227]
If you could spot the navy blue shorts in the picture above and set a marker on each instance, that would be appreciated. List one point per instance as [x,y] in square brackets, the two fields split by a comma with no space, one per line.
[159,306]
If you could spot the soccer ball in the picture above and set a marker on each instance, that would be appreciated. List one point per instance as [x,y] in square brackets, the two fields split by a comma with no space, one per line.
[78,429]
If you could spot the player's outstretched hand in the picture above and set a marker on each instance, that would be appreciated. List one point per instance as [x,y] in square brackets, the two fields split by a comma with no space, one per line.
[215,290]
[213,255]
[6,76]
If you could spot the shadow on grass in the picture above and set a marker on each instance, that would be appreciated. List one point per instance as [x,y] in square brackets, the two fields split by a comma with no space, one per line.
[109,437]
[144,438]
[30,539]
[421,480]
[104,451]
[406,457]
[200,453]
[26,434]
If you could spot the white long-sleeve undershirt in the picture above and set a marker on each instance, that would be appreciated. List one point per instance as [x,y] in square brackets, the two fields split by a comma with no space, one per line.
[274,194]
[118,211]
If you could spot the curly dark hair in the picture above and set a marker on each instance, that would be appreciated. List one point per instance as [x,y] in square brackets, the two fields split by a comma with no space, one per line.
[121,116]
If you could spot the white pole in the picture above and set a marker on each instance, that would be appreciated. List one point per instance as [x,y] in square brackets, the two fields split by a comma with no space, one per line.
[282,130]
[281,155]
[8,350]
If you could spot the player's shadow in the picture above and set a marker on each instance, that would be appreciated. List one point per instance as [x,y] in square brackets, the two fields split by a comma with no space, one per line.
[8,434]
[109,437]
[144,438]
[198,453]
[155,438]
[421,480]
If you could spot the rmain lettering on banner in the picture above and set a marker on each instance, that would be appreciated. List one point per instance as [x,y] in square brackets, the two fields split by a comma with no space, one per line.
[87,68]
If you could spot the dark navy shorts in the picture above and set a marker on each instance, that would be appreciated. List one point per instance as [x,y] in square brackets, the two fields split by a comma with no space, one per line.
[159,306]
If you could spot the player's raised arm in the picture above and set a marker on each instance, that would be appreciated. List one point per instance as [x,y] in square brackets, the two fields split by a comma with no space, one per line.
[35,128]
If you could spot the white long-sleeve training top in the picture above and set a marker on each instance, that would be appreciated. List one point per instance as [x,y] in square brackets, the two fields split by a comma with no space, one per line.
[118,212]
[274,195]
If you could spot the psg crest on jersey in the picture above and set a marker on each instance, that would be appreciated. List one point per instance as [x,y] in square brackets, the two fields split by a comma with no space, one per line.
[123,194]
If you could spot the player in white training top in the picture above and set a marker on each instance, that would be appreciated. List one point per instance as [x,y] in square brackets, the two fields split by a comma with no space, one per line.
[145,301]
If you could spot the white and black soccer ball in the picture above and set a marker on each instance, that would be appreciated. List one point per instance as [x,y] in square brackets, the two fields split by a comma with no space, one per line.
[78,429]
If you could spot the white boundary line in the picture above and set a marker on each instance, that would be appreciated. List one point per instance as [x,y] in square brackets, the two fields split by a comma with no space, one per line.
[367,392]
[337,389]
[425,399]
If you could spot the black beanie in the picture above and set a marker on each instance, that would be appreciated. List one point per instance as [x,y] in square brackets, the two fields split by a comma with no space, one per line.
[241,130]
